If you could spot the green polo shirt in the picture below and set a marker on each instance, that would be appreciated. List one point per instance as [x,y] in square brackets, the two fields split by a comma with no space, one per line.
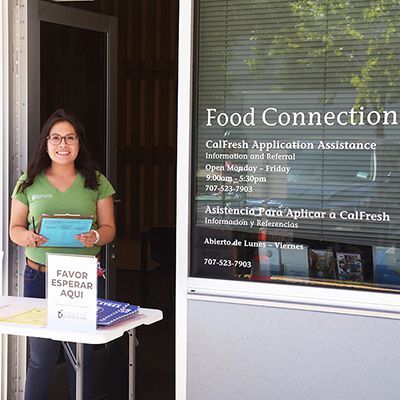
[43,198]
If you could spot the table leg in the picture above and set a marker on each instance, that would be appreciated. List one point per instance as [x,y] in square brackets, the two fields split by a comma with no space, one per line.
[79,371]
[132,354]
[77,363]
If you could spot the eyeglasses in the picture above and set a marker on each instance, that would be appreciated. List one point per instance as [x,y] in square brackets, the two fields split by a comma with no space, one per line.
[57,139]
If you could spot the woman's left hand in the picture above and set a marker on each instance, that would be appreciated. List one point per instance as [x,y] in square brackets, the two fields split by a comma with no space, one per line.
[105,225]
[87,239]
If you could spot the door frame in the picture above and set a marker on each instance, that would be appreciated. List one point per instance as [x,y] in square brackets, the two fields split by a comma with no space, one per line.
[4,173]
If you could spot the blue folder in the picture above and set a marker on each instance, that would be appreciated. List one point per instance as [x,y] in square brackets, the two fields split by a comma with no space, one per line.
[60,230]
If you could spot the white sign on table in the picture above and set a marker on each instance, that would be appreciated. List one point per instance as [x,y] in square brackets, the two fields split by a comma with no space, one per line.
[71,291]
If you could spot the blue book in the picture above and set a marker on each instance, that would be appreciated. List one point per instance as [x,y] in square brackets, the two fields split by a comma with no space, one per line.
[110,312]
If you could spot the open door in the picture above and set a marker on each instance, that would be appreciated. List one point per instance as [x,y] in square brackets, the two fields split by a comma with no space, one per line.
[72,64]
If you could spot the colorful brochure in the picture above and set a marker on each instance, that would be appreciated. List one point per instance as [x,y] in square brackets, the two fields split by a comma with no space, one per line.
[321,264]
[349,267]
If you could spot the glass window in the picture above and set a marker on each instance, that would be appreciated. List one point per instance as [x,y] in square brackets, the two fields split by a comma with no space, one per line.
[296,150]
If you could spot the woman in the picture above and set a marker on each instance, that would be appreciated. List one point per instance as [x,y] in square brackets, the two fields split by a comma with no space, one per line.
[60,179]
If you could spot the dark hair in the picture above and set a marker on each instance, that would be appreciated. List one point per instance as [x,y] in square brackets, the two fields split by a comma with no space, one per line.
[41,160]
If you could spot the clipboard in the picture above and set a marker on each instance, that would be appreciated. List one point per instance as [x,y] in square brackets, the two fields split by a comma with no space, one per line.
[60,229]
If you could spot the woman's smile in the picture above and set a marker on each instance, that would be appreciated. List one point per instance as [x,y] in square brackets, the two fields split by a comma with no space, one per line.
[63,143]
[63,152]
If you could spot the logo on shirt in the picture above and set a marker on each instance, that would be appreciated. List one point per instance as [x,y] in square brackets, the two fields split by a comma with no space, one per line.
[41,196]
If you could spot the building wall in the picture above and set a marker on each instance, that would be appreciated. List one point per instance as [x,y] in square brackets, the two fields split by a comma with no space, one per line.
[240,352]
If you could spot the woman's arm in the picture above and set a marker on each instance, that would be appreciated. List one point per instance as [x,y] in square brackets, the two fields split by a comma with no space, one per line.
[105,224]
[19,233]
[105,220]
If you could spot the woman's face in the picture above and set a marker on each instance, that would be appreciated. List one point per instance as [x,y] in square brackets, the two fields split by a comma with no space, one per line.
[63,143]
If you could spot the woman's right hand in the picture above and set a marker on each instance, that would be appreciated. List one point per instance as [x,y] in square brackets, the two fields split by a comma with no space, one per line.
[32,239]
[19,233]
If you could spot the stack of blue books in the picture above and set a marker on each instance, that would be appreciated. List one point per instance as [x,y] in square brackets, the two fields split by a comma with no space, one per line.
[110,312]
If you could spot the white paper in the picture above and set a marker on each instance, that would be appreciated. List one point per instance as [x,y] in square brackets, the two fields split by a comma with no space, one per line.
[295,262]
[71,291]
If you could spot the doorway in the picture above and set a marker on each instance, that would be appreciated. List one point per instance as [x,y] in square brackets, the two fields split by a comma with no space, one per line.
[133,136]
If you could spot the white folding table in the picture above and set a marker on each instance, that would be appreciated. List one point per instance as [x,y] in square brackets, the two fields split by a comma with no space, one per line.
[99,336]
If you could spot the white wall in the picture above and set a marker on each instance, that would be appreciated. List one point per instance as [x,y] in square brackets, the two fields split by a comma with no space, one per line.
[241,352]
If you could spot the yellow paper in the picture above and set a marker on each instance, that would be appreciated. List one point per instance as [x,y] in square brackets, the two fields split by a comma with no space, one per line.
[34,316]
